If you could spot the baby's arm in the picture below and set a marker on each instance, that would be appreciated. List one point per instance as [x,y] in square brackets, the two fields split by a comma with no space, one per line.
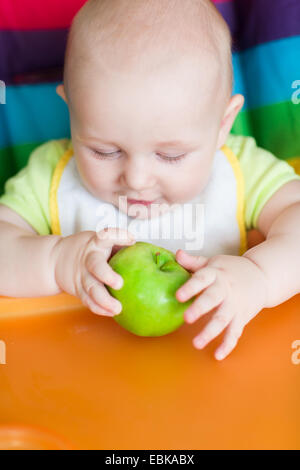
[278,256]
[32,265]
[239,287]
[27,267]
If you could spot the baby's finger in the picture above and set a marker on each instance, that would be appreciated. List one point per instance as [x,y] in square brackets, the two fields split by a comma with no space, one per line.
[111,236]
[190,262]
[98,267]
[232,335]
[215,326]
[211,298]
[100,295]
[91,305]
[197,282]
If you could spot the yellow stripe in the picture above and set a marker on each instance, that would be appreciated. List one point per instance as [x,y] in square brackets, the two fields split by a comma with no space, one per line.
[232,158]
[54,212]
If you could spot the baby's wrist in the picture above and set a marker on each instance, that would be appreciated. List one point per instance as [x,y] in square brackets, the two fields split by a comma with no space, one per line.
[259,290]
[67,254]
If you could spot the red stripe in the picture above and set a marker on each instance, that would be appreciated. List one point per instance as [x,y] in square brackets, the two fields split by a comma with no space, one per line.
[42,14]
[37,14]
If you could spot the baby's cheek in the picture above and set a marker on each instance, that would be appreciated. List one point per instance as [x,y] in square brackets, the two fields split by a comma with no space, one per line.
[192,183]
[94,178]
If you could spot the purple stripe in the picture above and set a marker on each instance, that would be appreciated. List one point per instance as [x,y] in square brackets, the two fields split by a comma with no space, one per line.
[35,56]
[32,53]
[254,22]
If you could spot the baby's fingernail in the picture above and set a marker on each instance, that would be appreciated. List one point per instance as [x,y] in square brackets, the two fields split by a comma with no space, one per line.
[191,317]
[199,343]
[118,283]
[219,355]
[117,309]
[182,294]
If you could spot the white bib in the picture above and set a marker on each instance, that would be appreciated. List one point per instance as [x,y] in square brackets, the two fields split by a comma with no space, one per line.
[210,224]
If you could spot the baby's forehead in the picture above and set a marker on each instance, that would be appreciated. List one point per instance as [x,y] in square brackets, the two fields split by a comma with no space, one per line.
[144,36]
[158,104]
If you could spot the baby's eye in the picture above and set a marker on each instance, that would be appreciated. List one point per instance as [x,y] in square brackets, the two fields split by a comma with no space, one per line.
[104,155]
[110,155]
[171,159]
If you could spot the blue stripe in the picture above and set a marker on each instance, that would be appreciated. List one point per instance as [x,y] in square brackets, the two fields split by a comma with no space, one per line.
[263,74]
[268,72]
[32,113]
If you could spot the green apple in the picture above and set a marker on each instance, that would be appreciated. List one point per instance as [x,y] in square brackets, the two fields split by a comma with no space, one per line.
[151,277]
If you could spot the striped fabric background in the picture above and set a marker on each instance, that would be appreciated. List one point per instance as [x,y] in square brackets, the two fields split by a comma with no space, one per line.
[266,56]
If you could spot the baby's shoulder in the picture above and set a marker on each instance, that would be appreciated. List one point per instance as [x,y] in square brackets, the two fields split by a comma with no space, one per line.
[241,145]
[48,154]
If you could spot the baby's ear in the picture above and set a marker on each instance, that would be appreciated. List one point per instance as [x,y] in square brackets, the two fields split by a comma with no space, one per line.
[60,90]
[233,108]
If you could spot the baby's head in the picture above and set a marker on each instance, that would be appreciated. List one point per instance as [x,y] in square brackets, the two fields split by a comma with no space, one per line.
[148,84]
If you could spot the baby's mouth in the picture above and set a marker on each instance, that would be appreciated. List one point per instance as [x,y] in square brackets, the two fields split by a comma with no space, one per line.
[137,201]
[123,200]
[143,208]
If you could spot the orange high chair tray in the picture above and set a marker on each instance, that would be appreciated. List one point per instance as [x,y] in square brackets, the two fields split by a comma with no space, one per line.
[72,379]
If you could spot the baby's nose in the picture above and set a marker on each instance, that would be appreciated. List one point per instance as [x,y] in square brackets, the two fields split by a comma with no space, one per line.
[138,176]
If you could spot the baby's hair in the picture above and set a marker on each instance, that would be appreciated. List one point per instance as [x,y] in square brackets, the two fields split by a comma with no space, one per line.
[125,33]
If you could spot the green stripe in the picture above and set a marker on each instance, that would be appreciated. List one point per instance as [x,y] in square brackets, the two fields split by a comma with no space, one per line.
[14,159]
[276,128]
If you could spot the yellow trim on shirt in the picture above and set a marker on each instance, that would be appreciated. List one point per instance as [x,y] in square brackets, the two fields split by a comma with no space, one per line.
[295,163]
[232,158]
[54,212]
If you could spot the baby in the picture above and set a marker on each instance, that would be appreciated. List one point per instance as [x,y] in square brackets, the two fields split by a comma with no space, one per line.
[148,84]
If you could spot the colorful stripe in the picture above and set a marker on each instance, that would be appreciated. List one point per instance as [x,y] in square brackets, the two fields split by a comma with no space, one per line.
[27,52]
[282,20]
[22,50]
[33,14]
[275,127]
[269,70]
[254,22]
[31,59]
[33,113]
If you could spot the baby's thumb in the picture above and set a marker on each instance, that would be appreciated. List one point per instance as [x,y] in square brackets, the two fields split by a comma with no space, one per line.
[191,262]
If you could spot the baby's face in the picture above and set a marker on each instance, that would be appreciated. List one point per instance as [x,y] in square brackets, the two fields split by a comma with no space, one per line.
[149,138]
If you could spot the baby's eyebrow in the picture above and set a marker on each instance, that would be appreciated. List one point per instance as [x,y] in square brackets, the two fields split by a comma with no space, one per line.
[175,143]
[172,143]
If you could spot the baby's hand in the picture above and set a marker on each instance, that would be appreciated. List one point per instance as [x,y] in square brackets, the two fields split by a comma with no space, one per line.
[234,285]
[82,268]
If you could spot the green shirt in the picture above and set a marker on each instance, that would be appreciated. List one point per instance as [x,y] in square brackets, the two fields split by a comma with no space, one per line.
[28,191]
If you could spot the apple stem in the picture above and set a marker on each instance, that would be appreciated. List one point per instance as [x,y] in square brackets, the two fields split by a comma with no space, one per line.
[157,256]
